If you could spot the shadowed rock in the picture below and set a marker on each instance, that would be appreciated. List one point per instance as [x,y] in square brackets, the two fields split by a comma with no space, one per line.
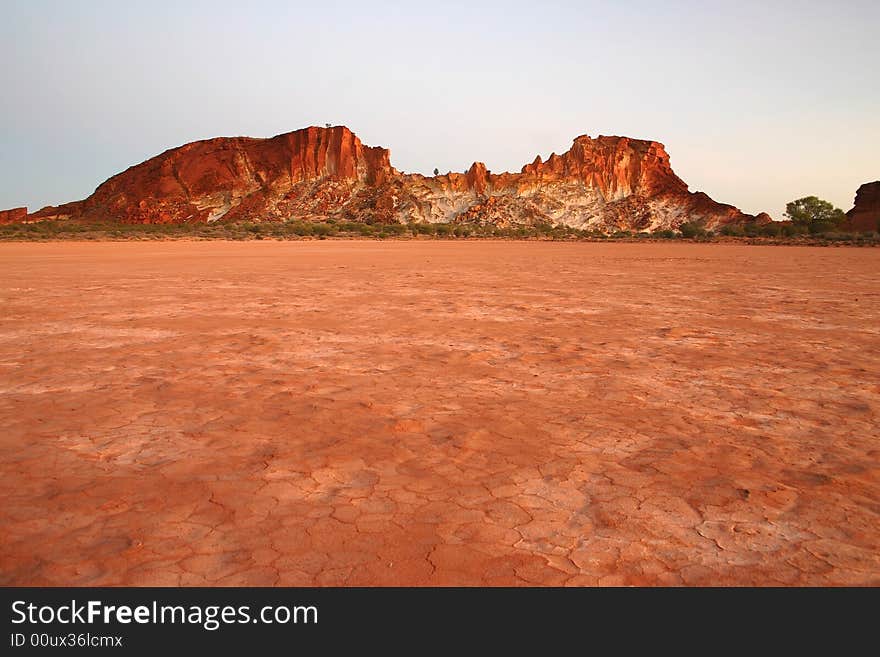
[865,214]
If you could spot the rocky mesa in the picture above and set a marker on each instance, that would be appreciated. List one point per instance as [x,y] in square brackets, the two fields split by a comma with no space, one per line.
[315,174]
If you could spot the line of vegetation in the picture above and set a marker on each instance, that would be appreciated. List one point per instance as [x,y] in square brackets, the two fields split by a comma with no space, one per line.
[810,220]
[777,232]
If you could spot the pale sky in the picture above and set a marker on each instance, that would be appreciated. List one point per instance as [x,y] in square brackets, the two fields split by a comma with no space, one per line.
[758,103]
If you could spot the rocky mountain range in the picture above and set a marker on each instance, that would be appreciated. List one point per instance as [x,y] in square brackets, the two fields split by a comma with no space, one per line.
[316,174]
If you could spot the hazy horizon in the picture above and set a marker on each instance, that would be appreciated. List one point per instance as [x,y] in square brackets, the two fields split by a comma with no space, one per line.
[757,104]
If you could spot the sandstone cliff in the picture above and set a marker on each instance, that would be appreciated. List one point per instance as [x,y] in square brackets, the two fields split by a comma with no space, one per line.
[865,214]
[604,183]
[13,216]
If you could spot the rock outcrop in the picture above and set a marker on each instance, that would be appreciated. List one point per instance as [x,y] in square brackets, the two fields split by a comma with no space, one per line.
[13,216]
[236,178]
[606,183]
[865,214]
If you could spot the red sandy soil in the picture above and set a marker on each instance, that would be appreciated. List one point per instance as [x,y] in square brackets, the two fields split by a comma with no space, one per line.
[438,413]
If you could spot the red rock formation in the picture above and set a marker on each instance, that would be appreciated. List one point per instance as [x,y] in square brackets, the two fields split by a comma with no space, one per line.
[13,216]
[317,173]
[616,166]
[865,214]
[236,177]
[477,177]
[607,183]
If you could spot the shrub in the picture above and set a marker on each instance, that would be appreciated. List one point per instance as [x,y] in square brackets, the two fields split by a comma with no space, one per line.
[691,229]
[771,230]
[547,229]
[732,231]
[837,236]
[300,228]
[793,230]
[819,227]
[323,230]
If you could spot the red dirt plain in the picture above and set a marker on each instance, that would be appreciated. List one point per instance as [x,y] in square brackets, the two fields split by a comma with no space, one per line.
[438,413]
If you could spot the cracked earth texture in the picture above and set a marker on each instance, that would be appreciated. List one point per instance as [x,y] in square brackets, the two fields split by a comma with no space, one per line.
[438,413]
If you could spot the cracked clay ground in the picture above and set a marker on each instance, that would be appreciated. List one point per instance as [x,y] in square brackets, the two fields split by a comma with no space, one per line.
[438,413]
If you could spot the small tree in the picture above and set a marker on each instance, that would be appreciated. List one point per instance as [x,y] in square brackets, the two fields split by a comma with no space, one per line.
[436,171]
[813,212]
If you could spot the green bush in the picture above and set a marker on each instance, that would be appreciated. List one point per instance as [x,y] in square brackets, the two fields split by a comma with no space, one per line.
[353,227]
[819,227]
[793,230]
[837,236]
[323,230]
[771,230]
[300,228]
[731,230]
[690,229]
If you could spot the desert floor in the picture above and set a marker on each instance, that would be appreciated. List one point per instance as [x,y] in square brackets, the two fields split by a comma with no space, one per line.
[439,413]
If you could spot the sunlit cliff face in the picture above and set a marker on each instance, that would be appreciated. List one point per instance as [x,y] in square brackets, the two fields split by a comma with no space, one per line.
[606,183]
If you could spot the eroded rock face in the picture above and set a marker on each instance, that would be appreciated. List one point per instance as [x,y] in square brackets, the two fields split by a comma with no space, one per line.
[237,178]
[865,214]
[605,183]
[13,216]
